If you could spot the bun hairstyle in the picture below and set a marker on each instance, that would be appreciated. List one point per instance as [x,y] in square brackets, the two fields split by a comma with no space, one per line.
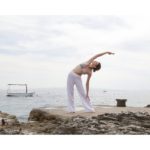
[98,67]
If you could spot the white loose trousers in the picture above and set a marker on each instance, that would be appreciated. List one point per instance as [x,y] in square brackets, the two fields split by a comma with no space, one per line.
[74,79]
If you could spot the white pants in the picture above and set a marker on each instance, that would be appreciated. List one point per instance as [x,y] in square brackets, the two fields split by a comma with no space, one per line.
[74,79]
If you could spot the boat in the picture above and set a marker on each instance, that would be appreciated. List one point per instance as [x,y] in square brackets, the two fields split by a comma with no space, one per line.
[104,91]
[19,94]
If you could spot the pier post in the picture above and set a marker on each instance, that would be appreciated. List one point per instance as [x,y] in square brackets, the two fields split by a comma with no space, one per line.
[121,102]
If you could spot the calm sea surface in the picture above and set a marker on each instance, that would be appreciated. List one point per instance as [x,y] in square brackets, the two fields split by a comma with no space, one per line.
[21,106]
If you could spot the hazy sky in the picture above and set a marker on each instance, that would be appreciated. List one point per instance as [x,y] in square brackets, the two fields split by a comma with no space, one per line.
[41,50]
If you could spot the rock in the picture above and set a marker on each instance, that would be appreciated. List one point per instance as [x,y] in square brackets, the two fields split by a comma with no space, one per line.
[147,132]
[148,106]
[112,132]
[44,122]
[132,133]
[8,124]
[108,118]
[93,131]
[2,131]
[65,130]
[103,122]
[134,128]
[41,115]
[7,119]
[11,117]
[123,123]
[146,124]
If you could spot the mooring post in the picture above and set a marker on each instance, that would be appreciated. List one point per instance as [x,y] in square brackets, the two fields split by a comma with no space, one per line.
[121,102]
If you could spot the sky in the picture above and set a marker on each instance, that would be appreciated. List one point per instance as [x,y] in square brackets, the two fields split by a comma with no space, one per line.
[41,50]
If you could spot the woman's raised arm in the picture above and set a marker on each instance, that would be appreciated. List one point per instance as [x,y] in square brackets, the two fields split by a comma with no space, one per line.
[98,55]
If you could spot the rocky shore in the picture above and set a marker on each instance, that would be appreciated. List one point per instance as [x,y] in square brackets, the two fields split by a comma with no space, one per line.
[8,124]
[44,122]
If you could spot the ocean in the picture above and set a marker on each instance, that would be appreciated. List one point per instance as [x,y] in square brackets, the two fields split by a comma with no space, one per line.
[57,97]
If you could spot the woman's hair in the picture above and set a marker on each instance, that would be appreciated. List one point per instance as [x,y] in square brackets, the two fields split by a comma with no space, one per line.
[98,67]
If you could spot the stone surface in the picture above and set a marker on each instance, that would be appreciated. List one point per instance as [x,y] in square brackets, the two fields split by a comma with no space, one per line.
[108,123]
[148,106]
[8,124]
[45,122]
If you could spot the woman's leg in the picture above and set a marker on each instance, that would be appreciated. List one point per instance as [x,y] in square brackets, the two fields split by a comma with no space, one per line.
[86,102]
[70,93]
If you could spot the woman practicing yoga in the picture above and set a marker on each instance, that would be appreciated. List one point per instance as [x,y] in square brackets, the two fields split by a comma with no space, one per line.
[74,78]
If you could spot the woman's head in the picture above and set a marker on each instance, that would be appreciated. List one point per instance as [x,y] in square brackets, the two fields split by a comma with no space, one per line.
[95,65]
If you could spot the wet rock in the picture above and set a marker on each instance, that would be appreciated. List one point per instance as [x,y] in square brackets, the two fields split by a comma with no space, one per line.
[41,115]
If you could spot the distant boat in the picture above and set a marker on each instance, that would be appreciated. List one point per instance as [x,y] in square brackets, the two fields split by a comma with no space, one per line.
[19,94]
[104,91]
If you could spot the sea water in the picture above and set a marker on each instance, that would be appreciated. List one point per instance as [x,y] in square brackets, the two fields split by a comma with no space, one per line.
[57,97]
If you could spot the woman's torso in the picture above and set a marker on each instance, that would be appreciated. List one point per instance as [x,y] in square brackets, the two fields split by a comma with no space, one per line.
[82,68]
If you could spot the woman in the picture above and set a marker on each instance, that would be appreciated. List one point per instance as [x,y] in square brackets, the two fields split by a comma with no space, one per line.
[74,78]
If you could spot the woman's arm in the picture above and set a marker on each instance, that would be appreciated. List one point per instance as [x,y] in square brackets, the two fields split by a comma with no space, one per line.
[87,85]
[98,55]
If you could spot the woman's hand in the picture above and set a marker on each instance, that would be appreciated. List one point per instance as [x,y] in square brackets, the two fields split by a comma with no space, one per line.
[110,53]
[87,97]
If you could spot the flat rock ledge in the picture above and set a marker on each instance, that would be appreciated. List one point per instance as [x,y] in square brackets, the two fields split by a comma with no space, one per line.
[148,106]
[47,123]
